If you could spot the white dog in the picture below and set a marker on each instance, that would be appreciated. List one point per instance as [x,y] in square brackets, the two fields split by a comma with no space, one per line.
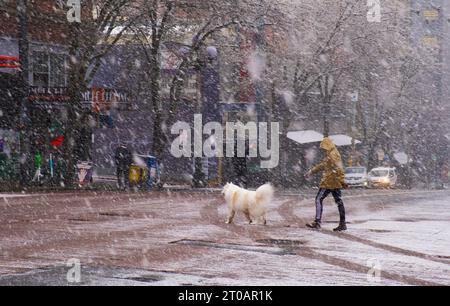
[252,203]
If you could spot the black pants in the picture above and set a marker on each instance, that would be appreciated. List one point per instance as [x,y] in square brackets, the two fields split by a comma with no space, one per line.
[321,195]
[123,177]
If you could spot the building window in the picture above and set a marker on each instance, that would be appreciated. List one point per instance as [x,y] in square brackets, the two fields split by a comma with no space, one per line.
[48,69]
[40,69]
[431,42]
[431,15]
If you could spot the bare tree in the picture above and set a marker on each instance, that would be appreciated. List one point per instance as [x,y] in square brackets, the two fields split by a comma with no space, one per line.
[90,41]
[191,24]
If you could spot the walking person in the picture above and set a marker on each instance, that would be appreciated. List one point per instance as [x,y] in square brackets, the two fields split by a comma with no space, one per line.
[124,160]
[38,167]
[332,182]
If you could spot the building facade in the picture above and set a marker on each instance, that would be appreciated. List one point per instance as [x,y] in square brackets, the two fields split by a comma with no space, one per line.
[47,56]
[430,35]
[47,98]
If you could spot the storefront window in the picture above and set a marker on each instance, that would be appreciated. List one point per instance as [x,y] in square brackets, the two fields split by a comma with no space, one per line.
[49,70]
[40,69]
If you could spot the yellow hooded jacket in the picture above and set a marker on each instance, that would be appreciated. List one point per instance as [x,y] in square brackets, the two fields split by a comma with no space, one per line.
[332,167]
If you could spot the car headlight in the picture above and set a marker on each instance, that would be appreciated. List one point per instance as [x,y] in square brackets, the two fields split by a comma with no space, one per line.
[386,180]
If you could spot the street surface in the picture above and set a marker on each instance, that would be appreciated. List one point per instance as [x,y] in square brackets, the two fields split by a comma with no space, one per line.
[395,237]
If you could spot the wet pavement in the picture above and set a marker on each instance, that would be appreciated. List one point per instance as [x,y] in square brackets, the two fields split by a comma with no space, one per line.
[395,237]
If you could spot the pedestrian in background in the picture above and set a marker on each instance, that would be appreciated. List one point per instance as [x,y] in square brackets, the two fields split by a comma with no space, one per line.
[124,159]
[37,167]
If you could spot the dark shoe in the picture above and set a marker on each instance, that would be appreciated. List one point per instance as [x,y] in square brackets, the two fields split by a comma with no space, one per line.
[341,227]
[313,225]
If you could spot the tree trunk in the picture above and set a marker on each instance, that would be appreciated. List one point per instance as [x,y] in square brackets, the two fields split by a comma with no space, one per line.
[158,118]
[23,122]
[74,109]
[326,114]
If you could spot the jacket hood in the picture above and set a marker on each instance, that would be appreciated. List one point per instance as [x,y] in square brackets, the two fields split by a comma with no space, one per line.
[327,144]
[332,152]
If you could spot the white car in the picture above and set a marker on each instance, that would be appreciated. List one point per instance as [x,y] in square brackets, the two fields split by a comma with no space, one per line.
[356,176]
[382,177]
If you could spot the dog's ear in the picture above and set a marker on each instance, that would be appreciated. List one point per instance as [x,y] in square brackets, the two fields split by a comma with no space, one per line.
[224,189]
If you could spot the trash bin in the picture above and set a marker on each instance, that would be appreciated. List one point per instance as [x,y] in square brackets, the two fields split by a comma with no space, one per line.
[138,175]
[152,173]
[85,170]
[154,178]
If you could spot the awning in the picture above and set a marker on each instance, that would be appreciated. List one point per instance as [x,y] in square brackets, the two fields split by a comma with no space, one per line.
[310,136]
[302,137]
[9,48]
[343,140]
[401,157]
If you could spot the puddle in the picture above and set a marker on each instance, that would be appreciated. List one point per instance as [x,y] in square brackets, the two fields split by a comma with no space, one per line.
[407,220]
[113,214]
[236,247]
[146,278]
[443,257]
[380,231]
[79,220]
[281,242]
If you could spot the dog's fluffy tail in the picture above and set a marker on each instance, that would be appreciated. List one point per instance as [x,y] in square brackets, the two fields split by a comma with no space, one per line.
[265,193]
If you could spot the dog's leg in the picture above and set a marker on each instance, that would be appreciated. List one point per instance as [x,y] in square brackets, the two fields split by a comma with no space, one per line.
[230,217]
[264,220]
[247,215]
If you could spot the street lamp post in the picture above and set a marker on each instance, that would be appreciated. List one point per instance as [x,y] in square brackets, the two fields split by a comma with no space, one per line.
[260,48]
[23,44]
[208,102]
[355,98]
[198,176]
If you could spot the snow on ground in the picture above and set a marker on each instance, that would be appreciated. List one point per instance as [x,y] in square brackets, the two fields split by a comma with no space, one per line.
[181,238]
[14,195]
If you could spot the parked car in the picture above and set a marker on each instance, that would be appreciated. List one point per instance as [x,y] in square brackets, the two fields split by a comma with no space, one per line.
[356,176]
[382,177]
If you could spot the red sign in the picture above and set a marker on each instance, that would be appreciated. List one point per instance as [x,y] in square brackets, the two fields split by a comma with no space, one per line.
[57,142]
[9,62]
